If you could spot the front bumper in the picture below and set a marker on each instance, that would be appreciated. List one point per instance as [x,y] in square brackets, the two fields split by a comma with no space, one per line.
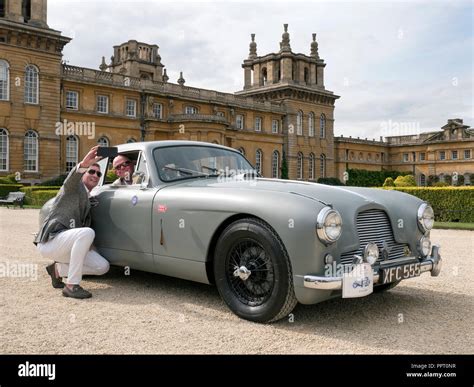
[432,264]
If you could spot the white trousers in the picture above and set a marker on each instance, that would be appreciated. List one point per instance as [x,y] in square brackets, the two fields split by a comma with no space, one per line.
[72,250]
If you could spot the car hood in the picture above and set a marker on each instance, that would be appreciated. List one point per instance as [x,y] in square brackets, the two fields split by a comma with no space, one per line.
[325,194]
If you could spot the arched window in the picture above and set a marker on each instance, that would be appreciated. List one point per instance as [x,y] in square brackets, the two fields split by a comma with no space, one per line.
[258,161]
[242,151]
[2,8]
[31,84]
[299,123]
[311,166]
[30,151]
[275,164]
[4,80]
[71,152]
[323,165]
[322,126]
[311,124]
[131,140]
[299,166]
[103,141]
[4,148]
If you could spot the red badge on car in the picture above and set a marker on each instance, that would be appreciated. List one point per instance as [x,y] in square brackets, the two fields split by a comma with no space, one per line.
[161,208]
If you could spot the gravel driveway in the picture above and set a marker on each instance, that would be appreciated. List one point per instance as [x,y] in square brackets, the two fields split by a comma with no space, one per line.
[148,313]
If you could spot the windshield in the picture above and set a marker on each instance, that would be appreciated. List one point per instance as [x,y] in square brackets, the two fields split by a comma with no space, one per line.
[190,161]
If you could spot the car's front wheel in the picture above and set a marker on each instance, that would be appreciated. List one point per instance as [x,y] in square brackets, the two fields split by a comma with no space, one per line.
[253,272]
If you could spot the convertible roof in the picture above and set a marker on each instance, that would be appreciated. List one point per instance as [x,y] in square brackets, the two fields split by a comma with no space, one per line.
[159,144]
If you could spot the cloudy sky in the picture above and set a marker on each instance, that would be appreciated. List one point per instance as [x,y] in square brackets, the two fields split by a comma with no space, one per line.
[400,67]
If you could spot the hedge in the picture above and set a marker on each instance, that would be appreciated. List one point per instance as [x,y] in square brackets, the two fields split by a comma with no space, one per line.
[38,198]
[30,190]
[6,188]
[365,178]
[450,204]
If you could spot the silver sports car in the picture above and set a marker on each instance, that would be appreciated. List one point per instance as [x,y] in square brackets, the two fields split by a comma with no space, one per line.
[200,211]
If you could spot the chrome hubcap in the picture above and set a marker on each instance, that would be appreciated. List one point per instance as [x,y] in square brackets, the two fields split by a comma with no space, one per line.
[242,272]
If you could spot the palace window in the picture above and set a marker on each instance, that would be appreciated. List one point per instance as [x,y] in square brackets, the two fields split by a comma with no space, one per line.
[275,126]
[191,110]
[258,161]
[4,80]
[322,126]
[158,110]
[311,166]
[72,100]
[275,164]
[422,156]
[258,124]
[4,148]
[30,151]
[454,155]
[239,121]
[467,153]
[102,104]
[131,110]
[323,165]
[31,84]
[442,155]
[103,141]
[299,166]
[299,123]
[405,157]
[311,124]
[71,152]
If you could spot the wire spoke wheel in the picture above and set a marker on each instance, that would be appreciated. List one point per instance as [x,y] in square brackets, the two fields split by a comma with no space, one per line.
[258,286]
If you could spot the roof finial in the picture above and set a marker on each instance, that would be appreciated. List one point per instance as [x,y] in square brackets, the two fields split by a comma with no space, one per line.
[285,43]
[253,48]
[314,47]
[181,80]
[165,76]
[103,66]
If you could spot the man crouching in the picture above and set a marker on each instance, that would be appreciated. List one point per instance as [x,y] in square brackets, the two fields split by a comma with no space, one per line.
[65,235]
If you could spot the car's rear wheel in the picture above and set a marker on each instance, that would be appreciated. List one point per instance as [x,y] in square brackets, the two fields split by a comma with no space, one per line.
[385,287]
[253,272]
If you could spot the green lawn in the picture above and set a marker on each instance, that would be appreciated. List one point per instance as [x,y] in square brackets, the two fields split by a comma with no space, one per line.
[454,225]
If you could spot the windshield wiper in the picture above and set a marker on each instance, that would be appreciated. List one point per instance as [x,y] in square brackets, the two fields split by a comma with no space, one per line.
[188,172]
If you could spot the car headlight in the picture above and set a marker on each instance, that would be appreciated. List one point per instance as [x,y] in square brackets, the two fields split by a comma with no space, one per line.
[424,246]
[371,253]
[329,225]
[425,217]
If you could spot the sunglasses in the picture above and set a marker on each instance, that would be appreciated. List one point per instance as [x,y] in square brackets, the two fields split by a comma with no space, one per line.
[94,172]
[123,165]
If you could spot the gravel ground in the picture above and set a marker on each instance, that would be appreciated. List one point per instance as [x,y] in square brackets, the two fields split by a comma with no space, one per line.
[148,313]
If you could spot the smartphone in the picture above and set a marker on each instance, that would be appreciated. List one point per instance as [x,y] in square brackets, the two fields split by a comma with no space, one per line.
[104,151]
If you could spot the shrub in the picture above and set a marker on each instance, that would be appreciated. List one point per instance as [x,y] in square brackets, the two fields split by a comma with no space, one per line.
[29,192]
[330,181]
[440,184]
[364,178]
[6,188]
[450,204]
[388,182]
[38,198]
[110,177]
[54,182]
[405,181]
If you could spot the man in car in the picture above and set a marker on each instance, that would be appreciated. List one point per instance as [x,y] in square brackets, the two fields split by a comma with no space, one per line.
[66,236]
[123,167]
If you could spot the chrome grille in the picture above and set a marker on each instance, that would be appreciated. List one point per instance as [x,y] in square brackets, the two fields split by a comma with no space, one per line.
[374,226]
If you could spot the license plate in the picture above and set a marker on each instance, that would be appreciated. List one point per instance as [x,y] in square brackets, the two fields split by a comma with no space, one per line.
[397,273]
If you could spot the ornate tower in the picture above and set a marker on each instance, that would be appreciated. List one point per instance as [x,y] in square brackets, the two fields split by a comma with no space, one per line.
[297,82]
[30,64]
[138,60]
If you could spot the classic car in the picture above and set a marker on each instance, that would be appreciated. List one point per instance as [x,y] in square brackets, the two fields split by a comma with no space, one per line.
[201,212]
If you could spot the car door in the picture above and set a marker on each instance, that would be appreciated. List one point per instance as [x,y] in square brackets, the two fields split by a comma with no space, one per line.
[123,223]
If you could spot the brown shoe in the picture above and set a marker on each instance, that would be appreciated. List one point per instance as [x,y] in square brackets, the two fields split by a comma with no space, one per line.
[55,280]
[76,292]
